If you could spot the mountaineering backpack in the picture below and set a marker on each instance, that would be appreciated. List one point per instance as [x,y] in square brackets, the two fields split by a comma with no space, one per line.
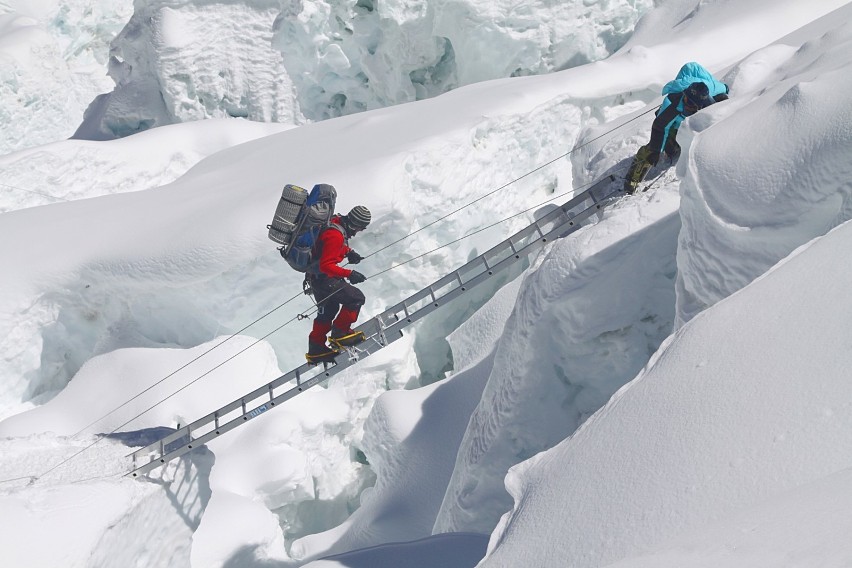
[312,216]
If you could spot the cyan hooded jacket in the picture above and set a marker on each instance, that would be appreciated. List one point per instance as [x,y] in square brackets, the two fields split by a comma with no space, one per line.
[672,111]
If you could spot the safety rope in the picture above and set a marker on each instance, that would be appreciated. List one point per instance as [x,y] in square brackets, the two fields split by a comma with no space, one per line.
[505,185]
[184,387]
[303,316]
[295,318]
[230,337]
[485,228]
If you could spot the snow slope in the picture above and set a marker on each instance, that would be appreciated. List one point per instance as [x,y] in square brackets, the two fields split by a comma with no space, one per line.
[629,478]
[102,297]
[635,479]
[739,221]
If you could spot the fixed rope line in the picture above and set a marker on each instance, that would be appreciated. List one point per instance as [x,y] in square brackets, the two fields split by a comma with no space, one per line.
[654,181]
[551,223]
[393,267]
[195,380]
[301,316]
[184,387]
[505,185]
[125,403]
[574,149]
[291,320]
[11,479]
[297,317]
[481,229]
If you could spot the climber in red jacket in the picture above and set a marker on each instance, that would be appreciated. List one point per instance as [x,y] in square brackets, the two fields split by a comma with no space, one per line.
[338,301]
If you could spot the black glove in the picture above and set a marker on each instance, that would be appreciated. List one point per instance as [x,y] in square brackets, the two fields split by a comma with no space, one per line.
[353,257]
[356,277]
[673,151]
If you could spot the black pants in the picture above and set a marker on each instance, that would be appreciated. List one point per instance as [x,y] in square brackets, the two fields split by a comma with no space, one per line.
[331,293]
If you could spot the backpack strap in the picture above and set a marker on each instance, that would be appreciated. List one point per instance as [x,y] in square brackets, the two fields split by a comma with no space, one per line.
[333,225]
[316,253]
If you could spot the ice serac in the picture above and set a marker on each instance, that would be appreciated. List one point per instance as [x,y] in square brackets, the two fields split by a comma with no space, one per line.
[52,58]
[184,60]
[291,62]
[744,208]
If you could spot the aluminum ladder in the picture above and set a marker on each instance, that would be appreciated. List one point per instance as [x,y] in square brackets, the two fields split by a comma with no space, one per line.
[382,330]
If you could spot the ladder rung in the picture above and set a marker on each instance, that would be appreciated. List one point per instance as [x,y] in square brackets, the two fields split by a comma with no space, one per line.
[570,214]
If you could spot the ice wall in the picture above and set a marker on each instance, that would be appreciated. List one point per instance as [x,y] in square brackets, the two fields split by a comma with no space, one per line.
[296,61]
[179,61]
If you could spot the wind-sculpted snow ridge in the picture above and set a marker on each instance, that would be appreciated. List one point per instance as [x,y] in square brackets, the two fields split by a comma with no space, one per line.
[53,55]
[749,399]
[744,208]
[182,60]
[584,324]
[739,408]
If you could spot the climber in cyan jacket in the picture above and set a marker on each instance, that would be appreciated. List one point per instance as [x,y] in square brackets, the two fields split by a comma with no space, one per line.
[693,89]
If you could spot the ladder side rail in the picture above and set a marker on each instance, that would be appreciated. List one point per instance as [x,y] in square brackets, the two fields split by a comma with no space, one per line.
[569,210]
[238,404]
[224,410]
[231,424]
[557,231]
[572,213]
[531,232]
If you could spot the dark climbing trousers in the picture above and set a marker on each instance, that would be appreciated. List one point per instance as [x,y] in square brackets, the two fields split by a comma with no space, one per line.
[334,295]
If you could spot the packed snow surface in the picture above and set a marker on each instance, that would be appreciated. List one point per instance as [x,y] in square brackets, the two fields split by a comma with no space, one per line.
[665,387]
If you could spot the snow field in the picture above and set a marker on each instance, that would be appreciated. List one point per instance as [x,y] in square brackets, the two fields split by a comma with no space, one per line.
[293,485]
[725,373]
[744,210]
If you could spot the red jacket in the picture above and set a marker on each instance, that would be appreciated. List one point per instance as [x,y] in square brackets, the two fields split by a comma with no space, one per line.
[333,248]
